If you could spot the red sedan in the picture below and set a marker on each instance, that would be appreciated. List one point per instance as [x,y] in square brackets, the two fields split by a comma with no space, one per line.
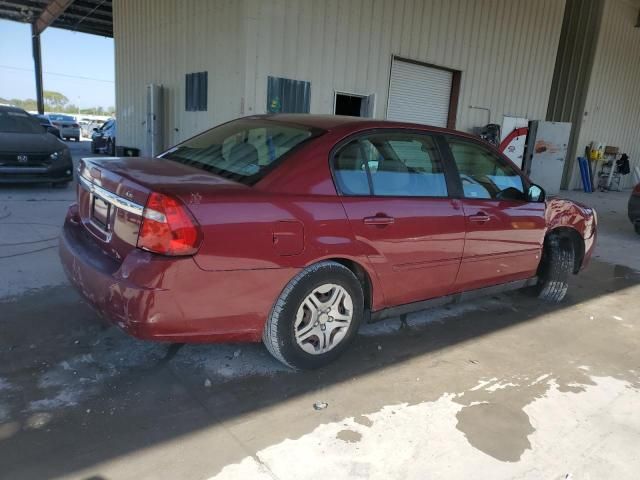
[294,229]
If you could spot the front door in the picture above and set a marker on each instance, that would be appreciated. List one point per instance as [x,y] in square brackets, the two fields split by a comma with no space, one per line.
[395,193]
[505,231]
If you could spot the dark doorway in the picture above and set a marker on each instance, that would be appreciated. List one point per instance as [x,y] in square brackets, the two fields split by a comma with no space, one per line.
[348,105]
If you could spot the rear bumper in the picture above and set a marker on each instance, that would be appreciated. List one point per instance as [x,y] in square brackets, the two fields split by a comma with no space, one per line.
[69,132]
[634,208]
[170,299]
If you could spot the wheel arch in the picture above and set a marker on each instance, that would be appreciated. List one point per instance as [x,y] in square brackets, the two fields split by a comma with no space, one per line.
[363,276]
[569,234]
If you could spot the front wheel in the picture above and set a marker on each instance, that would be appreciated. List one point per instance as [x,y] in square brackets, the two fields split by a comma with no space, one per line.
[316,316]
[555,267]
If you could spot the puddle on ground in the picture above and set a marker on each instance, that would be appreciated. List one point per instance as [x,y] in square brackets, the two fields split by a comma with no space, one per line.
[349,436]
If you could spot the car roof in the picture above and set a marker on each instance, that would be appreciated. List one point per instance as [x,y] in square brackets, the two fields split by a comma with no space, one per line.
[6,108]
[343,122]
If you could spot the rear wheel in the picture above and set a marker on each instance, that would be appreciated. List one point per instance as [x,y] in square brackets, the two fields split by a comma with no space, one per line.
[316,316]
[77,139]
[556,265]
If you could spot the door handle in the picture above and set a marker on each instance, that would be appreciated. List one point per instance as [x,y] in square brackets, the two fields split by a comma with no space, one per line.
[380,219]
[479,217]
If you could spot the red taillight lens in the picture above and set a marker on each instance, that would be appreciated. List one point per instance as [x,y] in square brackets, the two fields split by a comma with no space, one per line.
[167,227]
[636,191]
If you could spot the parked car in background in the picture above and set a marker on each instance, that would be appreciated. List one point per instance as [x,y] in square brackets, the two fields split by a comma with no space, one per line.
[104,138]
[48,126]
[28,153]
[295,229]
[634,208]
[67,124]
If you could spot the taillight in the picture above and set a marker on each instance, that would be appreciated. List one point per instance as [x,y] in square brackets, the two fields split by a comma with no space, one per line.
[167,227]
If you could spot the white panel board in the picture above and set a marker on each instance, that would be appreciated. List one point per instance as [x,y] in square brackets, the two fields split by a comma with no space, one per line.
[549,155]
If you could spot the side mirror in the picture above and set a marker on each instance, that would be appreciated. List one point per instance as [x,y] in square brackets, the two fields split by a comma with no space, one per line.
[536,194]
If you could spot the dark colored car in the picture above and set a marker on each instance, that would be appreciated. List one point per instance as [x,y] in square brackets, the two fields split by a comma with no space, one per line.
[68,126]
[28,153]
[295,229]
[104,138]
[45,123]
[634,208]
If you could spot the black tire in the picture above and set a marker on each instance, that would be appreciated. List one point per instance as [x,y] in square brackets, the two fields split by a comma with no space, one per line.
[77,139]
[279,334]
[636,226]
[111,149]
[556,265]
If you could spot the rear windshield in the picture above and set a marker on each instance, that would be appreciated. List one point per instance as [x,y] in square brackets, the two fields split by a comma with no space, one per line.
[242,150]
[18,122]
[62,118]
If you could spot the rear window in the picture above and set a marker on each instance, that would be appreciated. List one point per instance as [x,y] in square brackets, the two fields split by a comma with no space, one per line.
[18,122]
[62,118]
[243,150]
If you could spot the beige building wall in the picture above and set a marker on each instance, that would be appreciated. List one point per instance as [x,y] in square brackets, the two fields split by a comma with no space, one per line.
[159,41]
[505,49]
[612,110]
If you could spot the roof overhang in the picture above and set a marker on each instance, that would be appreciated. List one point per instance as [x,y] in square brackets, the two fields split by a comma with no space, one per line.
[86,16]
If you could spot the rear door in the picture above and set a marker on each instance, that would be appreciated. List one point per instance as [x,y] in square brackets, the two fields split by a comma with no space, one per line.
[396,195]
[504,231]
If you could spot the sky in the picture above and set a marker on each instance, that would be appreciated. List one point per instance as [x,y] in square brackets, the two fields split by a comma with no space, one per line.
[78,65]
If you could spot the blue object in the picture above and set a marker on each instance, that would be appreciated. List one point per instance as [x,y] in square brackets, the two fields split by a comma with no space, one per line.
[585,174]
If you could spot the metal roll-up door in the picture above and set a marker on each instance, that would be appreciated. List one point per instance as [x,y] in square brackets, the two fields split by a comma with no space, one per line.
[419,94]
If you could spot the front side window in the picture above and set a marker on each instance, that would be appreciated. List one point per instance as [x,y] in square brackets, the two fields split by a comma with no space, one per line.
[241,150]
[484,175]
[391,165]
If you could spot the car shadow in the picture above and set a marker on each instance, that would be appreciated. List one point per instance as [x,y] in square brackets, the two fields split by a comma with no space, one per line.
[75,392]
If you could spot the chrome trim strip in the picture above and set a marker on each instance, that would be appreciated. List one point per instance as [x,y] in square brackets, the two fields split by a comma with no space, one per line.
[116,200]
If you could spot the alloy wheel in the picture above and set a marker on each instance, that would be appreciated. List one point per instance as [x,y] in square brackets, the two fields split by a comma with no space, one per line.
[323,319]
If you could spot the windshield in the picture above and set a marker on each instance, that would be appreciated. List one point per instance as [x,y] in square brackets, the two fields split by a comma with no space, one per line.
[242,150]
[18,122]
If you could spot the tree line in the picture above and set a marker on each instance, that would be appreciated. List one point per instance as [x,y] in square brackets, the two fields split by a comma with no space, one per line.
[56,102]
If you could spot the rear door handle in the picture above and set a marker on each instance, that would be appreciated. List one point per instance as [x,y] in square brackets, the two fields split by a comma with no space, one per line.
[379,220]
[479,217]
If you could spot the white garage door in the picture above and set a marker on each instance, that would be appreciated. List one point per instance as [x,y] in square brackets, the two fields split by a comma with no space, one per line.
[419,94]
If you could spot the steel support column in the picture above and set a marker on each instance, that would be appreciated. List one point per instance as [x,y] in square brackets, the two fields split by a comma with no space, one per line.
[37,64]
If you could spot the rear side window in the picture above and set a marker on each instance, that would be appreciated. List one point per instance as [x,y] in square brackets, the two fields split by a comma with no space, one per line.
[484,175]
[242,150]
[393,164]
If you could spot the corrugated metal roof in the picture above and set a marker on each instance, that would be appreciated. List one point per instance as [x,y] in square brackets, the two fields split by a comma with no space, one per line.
[87,16]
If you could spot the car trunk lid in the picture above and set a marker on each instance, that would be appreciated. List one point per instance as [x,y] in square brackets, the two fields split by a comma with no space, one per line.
[112,193]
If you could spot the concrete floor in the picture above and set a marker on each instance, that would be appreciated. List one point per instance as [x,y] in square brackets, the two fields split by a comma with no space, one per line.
[501,388]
